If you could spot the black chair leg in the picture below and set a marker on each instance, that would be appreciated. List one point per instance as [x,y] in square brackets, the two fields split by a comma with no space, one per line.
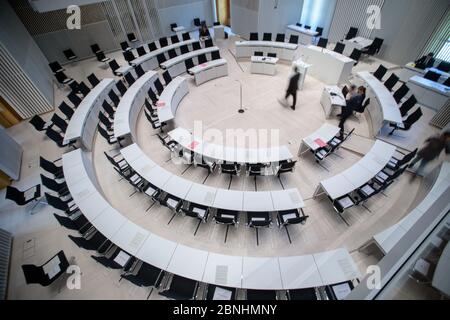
[281,182]
[206,177]
[226,233]
[340,215]
[257,237]
[392,132]
[173,216]
[256,189]
[198,226]
[287,232]
[231,179]
[151,206]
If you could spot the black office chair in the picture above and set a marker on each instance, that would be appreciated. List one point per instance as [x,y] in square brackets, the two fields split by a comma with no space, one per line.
[408,123]
[139,71]
[124,45]
[130,79]
[272,55]
[447,82]
[59,122]
[380,72]
[395,163]
[38,123]
[56,67]
[144,275]
[298,24]
[331,294]
[209,43]
[60,188]
[101,57]
[210,291]
[320,31]
[94,242]
[80,223]
[258,53]
[152,46]
[161,58]
[291,217]
[163,42]
[356,55]
[258,220]
[293,39]
[172,53]
[352,32]
[233,169]
[174,39]
[109,137]
[69,54]
[197,22]
[285,167]
[339,48]
[280,37]
[36,274]
[114,66]
[198,212]
[93,80]
[109,124]
[444,66]
[322,43]
[181,289]
[186,36]
[307,27]
[408,105]
[95,48]
[401,93]
[307,294]
[391,82]
[171,145]
[74,87]
[51,168]
[343,203]
[228,218]
[121,87]
[131,37]
[262,295]
[108,109]
[22,198]
[128,56]
[158,86]
[167,78]
[66,110]
[68,207]
[63,79]
[55,136]
[374,48]
[196,46]
[253,36]
[141,51]
[114,98]
[433,76]
[108,260]
[267,36]
[215,55]
[202,58]
[83,89]
[173,26]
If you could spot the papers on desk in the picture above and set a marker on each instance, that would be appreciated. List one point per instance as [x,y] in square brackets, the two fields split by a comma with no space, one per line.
[289,216]
[341,290]
[222,294]
[52,268]
[200,212]
[122,258]
[227,216]
[258,219]
[346,202]
[320,142]
[160,104]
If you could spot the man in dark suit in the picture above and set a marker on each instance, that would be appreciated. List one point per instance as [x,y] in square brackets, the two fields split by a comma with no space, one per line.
[352,104]
[293,87]
[426,61]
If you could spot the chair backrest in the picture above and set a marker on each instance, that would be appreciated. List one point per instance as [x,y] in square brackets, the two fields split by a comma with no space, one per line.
[167,77]
[196,46]
[141,51]
[380,72]
[49,166]
[202,58]
[280,37]
[352,32]
[209,43]
[161,58]
[197,22]
[103,119]
[322,42]
[401,93]
[69,54]
[173,26]
[293,39]
[50,184]
[55,66]
[114,98]
[253,36]
[76,100]
[433,76]
[408,105]
[407,158]
[272,55]
[391,82]
[38,123]
[307,27]
[356,55]
[267,36]
[114,65]
[66,110]
[124,45]
[320,31]
[298,24]
[93,80]
[59,122]
[339,48]
[15,195]
[139,71]
[56,202]
[345,91]
[55,136]
[152,95]
[129,56]
[95,48]
[103,132]
[188,63]
[172,53]
[84,89]
[121,87]
[215,55]
[413,118]
[131,37]
[60,76]
[186,36]
[287,166]
[447,82]
[111,160]
[108,109]
[375,46]
[158,86]
[258,54]
[152,46]
[163,42]
[444,66]
[74,87]
[129,78]
[216,23]
[101,56]
[174,39]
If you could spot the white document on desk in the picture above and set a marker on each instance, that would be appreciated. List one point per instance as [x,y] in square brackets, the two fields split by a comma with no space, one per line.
[222,294]
[122,258]
[341,290]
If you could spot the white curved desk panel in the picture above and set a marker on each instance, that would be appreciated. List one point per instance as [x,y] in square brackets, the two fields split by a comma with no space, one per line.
[283,50]
[83,125]
[171,98]
[176,66]
[305,36]
[208,71]
[261,273]
[382,108]
[131,103]
[150,62]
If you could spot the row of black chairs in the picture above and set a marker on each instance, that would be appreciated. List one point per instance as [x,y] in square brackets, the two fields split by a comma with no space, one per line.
[280,37]
[307,27]
[163,42]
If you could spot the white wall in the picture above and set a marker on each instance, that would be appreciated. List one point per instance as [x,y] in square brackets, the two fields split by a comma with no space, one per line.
[274,18]
[318,13]
[244,17]
[50,5]
[19,43]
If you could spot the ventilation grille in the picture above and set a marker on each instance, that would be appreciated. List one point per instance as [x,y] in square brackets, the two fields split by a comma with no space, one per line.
[5,254]
[442,118]
[18,90]
[350,13]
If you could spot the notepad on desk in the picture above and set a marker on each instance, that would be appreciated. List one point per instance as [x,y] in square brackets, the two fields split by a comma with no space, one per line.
[193,144]
[160,104]
[320,143]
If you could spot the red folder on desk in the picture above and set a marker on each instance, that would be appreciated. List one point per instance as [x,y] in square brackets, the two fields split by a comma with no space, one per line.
[193,145]
[160,104]
[320,143]
[203,65]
